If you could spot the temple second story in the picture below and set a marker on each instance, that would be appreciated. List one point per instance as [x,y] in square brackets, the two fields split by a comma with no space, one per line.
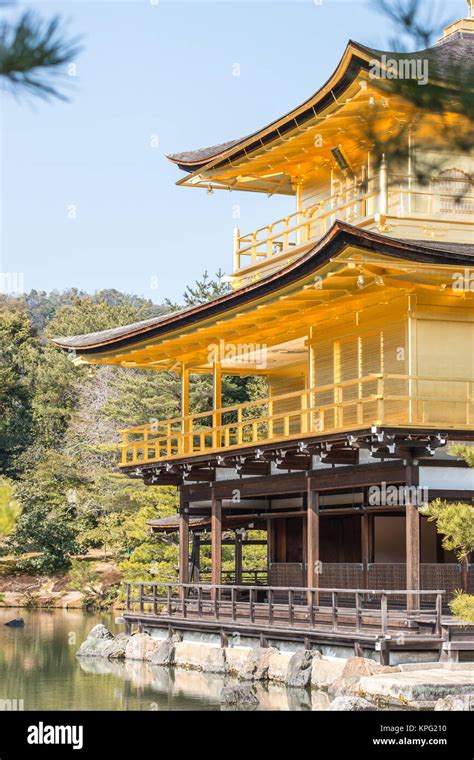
[363,149]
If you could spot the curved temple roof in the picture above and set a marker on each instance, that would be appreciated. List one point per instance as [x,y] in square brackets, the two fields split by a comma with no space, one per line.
[447,59]
[339,237]
[198,524]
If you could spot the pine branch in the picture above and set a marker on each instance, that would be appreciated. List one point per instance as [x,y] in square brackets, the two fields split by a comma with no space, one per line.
[32,53]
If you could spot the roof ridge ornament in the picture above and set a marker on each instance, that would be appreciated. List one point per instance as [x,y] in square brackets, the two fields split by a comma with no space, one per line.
[463,25]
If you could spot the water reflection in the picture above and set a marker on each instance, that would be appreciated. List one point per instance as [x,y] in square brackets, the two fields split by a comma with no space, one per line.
[38,665]
[180,688]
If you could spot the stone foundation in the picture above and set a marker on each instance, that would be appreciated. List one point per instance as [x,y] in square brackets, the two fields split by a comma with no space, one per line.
[350,682]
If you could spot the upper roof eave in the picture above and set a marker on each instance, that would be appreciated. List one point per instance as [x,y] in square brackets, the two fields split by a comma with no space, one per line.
[452,51]
[337,239]
[206,158]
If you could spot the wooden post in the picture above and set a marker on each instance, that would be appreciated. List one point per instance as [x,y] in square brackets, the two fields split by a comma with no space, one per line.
[365,547]
[312,534]
[216,541]
[383,204]
[238,559]
[196,558]
[236,249]
[186,447]
[464,573]
[412,523]
[184,547]
[217,403]
[411,168]
[128,606]
[270,549]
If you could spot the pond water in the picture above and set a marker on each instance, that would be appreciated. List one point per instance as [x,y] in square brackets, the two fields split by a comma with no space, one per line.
[38,665]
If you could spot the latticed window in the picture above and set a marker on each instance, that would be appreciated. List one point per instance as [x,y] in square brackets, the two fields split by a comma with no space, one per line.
[455,189]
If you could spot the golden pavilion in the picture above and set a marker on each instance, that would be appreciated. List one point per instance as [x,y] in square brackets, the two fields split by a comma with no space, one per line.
[357,310]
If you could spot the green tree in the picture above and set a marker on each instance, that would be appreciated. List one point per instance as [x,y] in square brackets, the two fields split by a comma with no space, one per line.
[204,290]
[72,495]
[455,523]
[47,525]
[442,111]
[151,558]
[10,507]
[462,451]
[18,355]
[84,578]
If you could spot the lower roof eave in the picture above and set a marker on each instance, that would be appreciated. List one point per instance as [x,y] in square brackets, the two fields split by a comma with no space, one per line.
[336,241]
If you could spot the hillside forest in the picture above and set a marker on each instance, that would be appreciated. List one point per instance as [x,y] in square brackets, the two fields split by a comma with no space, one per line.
[62,496]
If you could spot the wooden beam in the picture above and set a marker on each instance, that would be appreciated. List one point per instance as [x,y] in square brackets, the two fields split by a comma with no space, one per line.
[255,468]
[412,523]
[216,540]
[201,475]
[296,482]
[312,534]
[184,547]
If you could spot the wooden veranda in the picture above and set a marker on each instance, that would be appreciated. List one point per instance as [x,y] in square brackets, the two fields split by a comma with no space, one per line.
[378,619]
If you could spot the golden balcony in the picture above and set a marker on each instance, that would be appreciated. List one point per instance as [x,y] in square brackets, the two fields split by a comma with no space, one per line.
[392,400]
[392,204]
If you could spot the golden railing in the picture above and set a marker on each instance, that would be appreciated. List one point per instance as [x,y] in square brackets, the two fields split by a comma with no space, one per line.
[377,399]
[395,196]
[311,223]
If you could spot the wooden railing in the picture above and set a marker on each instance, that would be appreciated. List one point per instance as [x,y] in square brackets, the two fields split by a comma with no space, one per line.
[276,607]
[311,223]
[387,576]
[356,203]
[249,577]
[376,399]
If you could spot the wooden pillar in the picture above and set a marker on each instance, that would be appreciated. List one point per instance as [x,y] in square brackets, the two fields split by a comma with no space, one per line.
[312,534]
[238,559]
[412,523]
[186,428]
[312,424]
[196,558]
[365,546]
[464,573]
[270,549]
[411,169]
[217,402]
[304,539]
[216,541]
[383,190]
[184,547]
[236,249]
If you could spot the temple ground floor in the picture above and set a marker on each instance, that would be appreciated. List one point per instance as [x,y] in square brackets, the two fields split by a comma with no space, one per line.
[344,559]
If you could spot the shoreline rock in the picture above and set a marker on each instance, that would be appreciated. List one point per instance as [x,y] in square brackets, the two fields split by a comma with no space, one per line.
[351,703]
[239,697]
[98,639]
[456,702]
[351,683]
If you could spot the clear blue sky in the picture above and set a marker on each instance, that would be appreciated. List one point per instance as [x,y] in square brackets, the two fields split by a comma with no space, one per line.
[161,69]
